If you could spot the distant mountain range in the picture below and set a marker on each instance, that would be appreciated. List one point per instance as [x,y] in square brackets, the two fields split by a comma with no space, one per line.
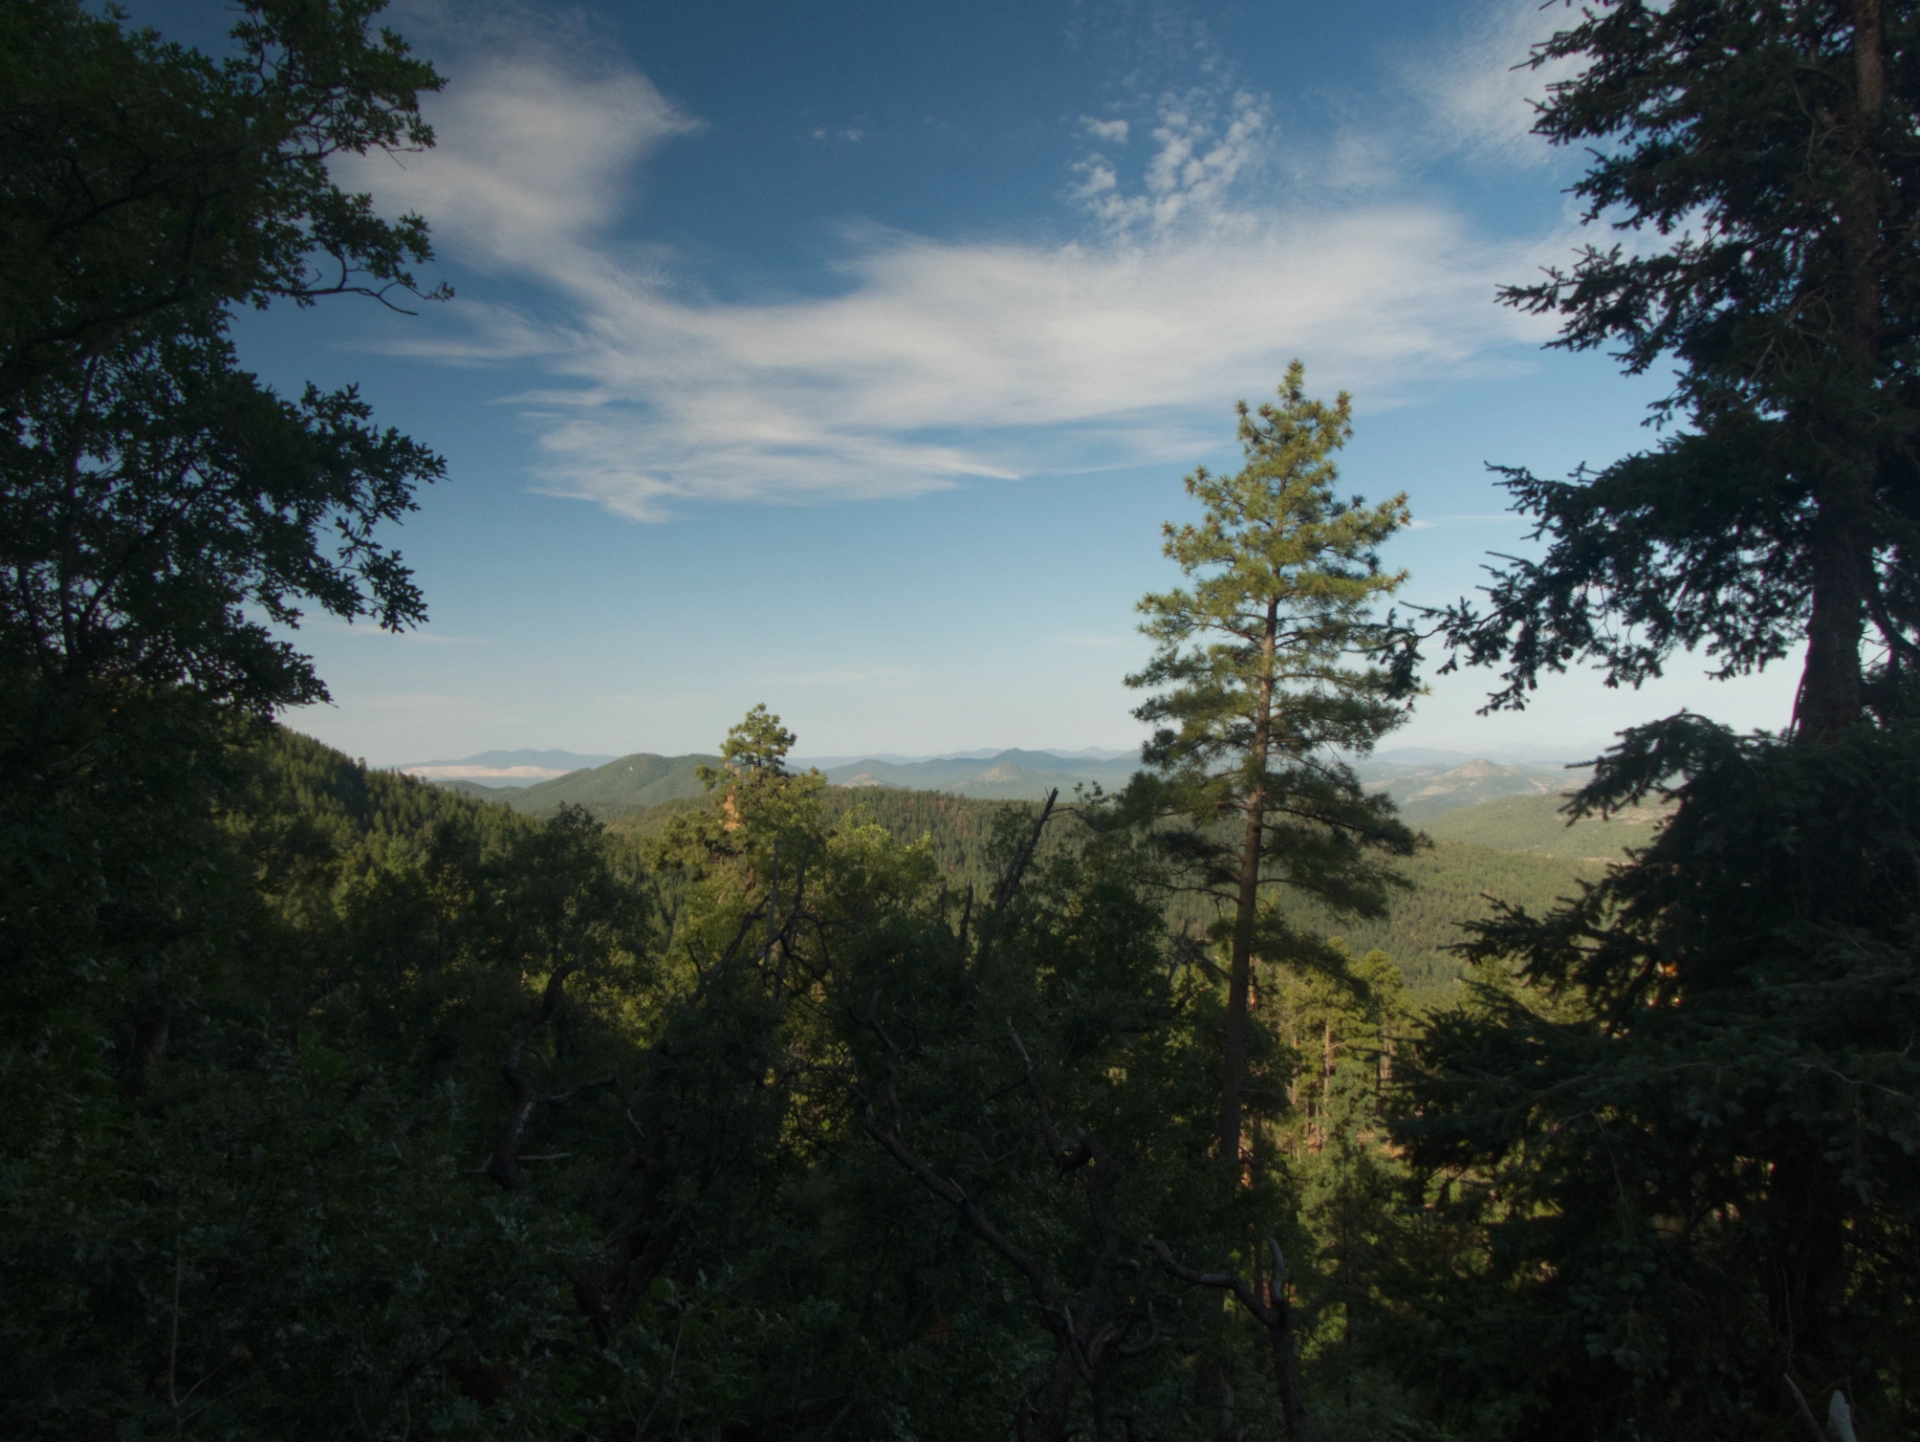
[1517,753]
[630,783]
[626,783]
[1000,776]
[986,753]
[1425,783]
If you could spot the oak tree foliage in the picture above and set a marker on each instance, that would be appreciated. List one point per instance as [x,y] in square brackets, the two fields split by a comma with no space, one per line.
[161,510]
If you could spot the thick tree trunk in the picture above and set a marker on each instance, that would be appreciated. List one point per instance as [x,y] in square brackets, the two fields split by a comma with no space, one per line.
[1212,1387]
[1804,1250]
[1831,685]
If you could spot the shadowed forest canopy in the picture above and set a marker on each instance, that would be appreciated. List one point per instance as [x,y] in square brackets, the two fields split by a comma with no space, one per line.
[335,1104]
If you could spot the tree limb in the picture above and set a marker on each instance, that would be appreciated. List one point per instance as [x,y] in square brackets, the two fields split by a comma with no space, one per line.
[504,1165]
[1275,1315]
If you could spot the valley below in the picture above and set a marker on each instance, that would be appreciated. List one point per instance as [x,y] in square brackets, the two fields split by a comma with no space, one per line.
[1495,832]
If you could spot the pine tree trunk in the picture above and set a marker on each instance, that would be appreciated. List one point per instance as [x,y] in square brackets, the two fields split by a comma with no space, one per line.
[1240,974]
[1239,988]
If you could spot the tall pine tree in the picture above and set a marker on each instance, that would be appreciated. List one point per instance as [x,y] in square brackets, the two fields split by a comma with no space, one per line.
[1271,666]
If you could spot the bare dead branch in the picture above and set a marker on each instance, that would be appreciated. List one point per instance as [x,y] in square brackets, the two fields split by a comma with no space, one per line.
[1274,1315]
[1806,1413]
[1010,883]
[949,1191]
[504,1165]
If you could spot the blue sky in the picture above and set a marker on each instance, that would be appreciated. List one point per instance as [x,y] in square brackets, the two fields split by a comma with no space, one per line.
[847,356]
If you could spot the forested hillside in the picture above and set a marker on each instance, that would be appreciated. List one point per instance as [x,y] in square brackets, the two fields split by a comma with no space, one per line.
[694,1098]
[628,784]
[1451,883]
[530,1058]
[1540,826]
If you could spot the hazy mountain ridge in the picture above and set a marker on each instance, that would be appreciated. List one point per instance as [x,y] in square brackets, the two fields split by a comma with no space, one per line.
[631,783]
[1498,828]
[625,784]
[1012,775]
[1423,783]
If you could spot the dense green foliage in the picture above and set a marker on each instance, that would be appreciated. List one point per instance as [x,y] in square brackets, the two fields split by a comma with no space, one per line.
[309,1204]
[1670,1144]
[159,506]
[337,1104]
[236,1112]
[1766,155]
[959,833]
[1267,669]
[1700,1107]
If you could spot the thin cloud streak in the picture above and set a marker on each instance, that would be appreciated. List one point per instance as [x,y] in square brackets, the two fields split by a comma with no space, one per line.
[1482,97]
[940,362]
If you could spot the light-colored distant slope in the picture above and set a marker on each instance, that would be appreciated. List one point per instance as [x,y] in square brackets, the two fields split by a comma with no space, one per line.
[502,768]
[621,786]
[1536,824]
[1423,792]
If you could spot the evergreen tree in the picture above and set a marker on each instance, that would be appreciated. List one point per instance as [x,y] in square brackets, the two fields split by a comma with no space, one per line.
[1780,142]
[1268,668]
[1671,1141]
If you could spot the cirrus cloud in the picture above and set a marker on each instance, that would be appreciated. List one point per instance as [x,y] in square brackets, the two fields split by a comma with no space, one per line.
[937,361]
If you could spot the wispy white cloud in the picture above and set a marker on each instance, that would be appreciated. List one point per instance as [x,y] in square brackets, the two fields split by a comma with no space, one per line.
[1203,142]
[1480,93]
[937,360]
[535,158]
